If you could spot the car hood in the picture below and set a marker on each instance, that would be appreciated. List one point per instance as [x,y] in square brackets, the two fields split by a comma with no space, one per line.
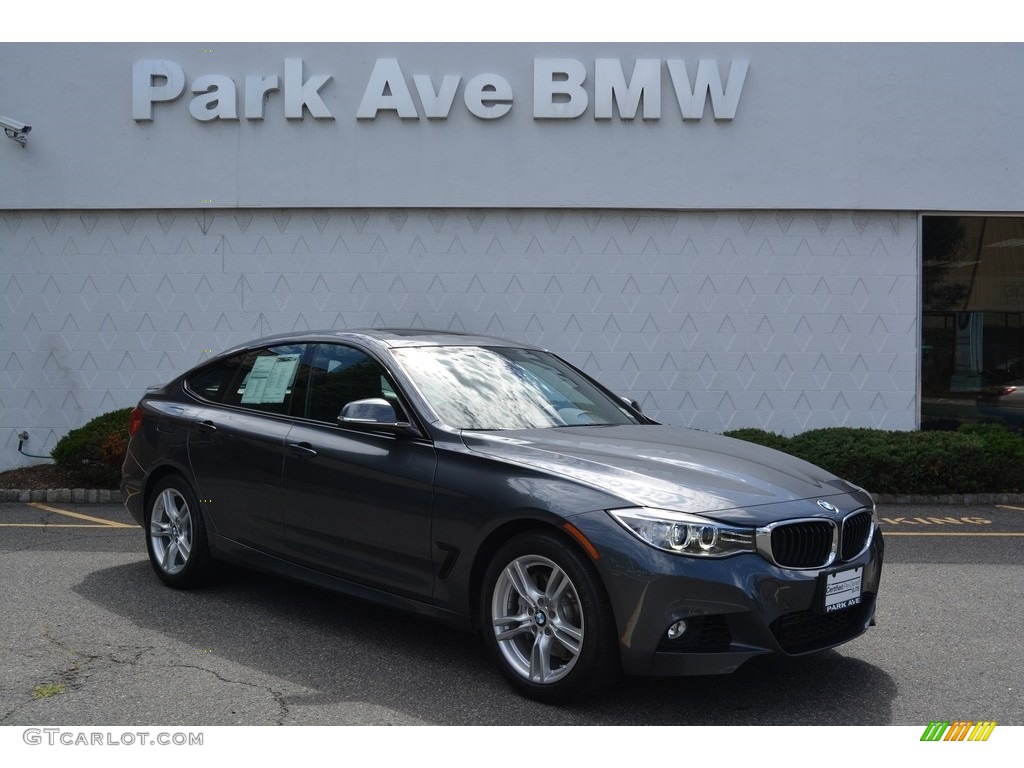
[678,469]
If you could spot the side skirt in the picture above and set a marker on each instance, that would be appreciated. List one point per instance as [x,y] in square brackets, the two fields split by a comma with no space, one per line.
[231,551]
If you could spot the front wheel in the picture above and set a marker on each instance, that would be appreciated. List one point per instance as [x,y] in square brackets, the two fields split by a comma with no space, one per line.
[548,622]
[176,536]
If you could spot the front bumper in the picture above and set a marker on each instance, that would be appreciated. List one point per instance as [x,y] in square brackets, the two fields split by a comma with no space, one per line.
[735,608]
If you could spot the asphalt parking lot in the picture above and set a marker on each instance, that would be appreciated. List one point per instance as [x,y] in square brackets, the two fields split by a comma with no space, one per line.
[89,636]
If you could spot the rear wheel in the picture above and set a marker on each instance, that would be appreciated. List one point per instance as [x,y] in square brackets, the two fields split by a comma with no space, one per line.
[176,536]
[549,624]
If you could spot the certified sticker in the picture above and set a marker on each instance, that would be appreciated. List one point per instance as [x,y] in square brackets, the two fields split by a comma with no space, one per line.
[842,589]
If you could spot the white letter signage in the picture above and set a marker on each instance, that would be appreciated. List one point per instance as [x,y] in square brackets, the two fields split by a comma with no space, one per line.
[560,91]
[558,88]
[386,91]
[216,98]
[439,104]
[298,93]
[488,96]
[144,92]
[610,85]
[723,103]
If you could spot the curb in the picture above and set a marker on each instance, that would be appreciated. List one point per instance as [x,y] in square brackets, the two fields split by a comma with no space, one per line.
[949,500]
[73,495]
[94,496]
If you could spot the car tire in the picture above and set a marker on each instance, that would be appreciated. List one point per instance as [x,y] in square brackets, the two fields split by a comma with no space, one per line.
[176,536]
[547,621]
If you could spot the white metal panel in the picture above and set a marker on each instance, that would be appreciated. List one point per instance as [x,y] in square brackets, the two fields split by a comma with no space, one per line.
[913,127]
[784,320]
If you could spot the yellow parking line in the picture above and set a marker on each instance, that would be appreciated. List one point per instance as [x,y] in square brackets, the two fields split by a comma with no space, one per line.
[69,513]
[51,525]
[887,534]
[1007,506]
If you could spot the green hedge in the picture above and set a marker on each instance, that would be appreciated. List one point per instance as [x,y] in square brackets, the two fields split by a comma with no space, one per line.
[95,452]
[977,458]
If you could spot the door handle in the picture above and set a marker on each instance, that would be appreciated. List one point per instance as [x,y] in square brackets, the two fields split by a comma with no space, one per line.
[206,426]
[302,449]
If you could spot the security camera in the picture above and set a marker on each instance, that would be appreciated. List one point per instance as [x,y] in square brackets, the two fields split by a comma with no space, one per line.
[15,129]
[13,125]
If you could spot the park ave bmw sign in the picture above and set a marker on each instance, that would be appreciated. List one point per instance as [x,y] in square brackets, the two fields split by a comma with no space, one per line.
[561,90]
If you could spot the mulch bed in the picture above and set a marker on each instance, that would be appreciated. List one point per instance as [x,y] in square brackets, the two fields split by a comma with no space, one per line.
[43,477]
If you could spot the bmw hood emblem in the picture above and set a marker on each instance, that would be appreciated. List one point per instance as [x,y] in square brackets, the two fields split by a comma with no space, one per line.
[827,506]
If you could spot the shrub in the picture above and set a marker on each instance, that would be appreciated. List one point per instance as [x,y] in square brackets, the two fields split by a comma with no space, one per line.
[1003,456]
[977,458]
[759,436]
[895,462]
[93,454]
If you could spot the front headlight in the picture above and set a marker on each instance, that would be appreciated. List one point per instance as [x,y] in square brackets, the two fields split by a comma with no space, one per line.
[683,533]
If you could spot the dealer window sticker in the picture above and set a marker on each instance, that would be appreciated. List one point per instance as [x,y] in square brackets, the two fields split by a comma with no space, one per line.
[270,379]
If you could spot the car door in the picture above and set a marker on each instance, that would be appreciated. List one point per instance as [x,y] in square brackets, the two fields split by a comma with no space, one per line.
[358,499]
[236,444]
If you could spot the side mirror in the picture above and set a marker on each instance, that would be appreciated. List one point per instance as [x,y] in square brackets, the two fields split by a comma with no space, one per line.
[632,404]
[374,411]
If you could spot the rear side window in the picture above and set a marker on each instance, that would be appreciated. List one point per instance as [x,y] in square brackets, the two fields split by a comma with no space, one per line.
[261,379]
[209,383]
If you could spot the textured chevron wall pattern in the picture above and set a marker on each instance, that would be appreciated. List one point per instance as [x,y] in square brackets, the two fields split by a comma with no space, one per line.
[786,320]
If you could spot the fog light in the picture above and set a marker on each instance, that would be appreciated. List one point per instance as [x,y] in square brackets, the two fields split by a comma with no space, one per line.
[676,630]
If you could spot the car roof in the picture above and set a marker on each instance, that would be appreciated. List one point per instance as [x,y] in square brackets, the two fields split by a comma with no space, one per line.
[390,338]
[405,337]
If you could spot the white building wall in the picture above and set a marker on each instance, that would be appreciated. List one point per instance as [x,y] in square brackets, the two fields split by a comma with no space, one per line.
[786,320]
[822,126]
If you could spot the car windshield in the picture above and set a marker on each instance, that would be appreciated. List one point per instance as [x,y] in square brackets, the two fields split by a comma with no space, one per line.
[495,388]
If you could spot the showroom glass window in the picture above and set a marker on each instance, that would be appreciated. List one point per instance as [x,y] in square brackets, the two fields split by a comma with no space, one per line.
[972,340]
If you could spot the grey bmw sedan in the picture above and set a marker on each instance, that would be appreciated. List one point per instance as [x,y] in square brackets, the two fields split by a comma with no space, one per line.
[491,485]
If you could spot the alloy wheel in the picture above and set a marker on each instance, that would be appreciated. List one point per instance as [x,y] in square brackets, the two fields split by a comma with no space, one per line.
[537,619]
[170,531]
